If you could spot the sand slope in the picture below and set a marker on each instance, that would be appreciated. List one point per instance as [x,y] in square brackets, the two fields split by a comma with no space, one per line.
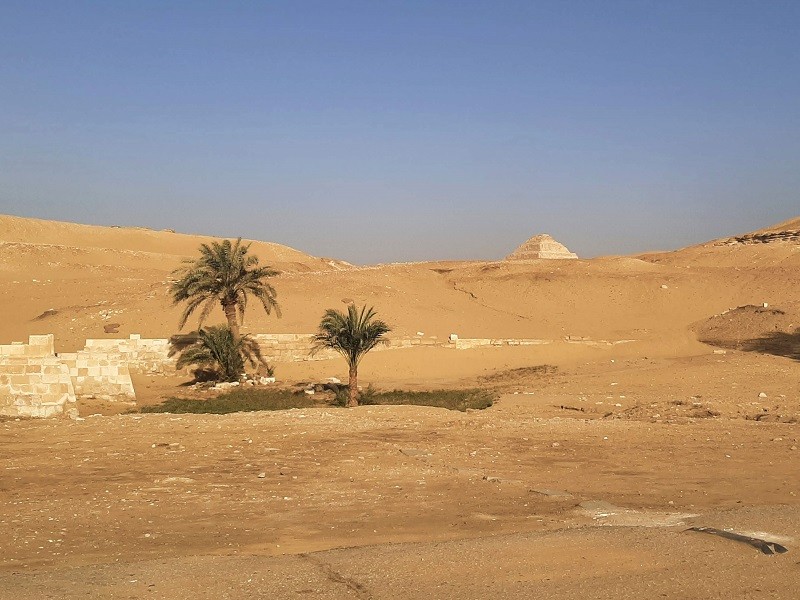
[91,276]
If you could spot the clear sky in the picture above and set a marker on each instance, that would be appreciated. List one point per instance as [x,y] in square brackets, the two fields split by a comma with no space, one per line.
[382,130]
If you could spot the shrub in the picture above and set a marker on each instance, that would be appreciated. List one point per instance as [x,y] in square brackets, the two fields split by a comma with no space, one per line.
[215,350]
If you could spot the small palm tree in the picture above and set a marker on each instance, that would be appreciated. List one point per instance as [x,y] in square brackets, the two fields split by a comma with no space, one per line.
[352,335]
[227,274]
[217,349]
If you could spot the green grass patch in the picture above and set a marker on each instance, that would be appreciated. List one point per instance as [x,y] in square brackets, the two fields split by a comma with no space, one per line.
[235,401]
[450,399]
[250,400]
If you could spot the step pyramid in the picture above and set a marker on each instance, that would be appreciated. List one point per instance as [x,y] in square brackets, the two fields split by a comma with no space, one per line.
[541,246]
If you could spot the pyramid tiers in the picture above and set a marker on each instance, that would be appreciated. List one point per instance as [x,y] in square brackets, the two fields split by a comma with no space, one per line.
[541,246]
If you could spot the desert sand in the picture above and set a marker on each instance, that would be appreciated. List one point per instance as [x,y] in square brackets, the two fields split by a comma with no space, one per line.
[671,400]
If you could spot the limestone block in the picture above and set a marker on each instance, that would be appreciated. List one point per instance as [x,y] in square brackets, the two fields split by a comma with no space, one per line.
[44,344]
[51,377]
[12,350]
[100,343]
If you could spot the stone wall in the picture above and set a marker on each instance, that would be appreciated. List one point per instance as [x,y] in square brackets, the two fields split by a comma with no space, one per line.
[103,375]
[36,382]
[33,381]
[142,356]
[467,343]
[289,347]
[37,346]
[295,347]
[298,347]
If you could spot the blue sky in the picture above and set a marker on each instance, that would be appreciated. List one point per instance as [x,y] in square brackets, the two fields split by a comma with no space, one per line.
[380,130]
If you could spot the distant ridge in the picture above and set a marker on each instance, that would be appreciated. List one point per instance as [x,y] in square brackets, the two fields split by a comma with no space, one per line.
[785,232]
[791,224]
[59,233]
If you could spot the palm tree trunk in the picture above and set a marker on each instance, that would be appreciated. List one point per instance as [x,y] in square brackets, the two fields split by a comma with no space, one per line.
[353,387]
[233,322]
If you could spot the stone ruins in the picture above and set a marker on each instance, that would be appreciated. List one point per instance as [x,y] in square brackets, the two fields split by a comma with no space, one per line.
[35,381]
[541,246]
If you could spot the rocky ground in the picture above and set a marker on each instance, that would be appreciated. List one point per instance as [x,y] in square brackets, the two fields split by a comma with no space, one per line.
[526,499]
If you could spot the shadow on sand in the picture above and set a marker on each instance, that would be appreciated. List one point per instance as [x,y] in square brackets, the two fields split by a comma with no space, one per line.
[779,343]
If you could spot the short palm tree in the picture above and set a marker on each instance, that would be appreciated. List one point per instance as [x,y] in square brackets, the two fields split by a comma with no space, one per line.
[227,274]
[216,348]
[352,335]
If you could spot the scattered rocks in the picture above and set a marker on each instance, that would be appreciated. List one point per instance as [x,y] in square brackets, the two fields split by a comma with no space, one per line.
[48,313]
[551,493]
[609,514]
[226,385]
[175,480]
[414,452]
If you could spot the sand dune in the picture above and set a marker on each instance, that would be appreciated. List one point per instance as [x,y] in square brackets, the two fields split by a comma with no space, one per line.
[88,276]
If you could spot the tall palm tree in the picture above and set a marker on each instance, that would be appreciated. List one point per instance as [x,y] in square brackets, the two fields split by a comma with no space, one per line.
[227,274]
[215,348]
[352,335]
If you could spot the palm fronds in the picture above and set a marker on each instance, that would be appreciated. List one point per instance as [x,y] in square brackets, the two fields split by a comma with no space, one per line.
[226,273]
[352,334]
[217,349]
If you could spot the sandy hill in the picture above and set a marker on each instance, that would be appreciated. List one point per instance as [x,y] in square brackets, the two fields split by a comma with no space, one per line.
[37,232]
[72,280]
[791,224]
[777,246]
